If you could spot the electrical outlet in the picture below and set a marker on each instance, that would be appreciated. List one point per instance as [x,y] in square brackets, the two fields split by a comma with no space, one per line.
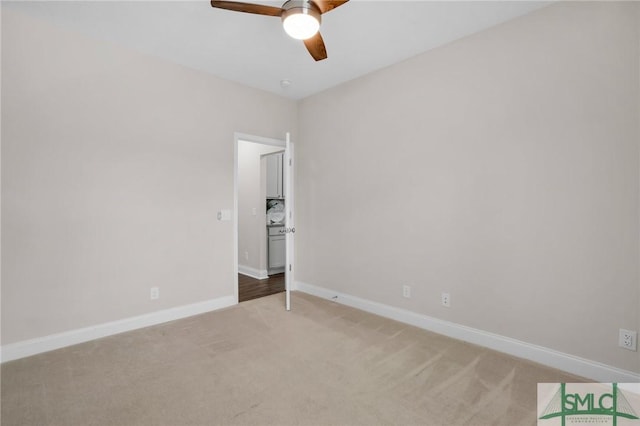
[628,339]
[246,255]
[155,293]
[445,298]
[406,291]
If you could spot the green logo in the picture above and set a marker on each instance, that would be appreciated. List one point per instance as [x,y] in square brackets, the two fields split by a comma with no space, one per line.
[589,405]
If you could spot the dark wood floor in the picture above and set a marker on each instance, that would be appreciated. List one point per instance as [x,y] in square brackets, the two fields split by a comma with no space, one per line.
[251,288]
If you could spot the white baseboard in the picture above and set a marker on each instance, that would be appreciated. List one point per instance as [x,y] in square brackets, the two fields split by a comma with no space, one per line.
[572,364]
[252,272]
[56,341]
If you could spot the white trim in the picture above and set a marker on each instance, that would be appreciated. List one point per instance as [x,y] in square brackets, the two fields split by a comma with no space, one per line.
[572,364]
[258,139]
[38,345]
[258,274]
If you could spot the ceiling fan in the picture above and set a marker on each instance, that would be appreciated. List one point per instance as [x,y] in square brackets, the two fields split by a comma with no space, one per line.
[300,19]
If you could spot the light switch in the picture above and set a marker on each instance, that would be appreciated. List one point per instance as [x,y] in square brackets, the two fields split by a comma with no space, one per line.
[254,211]
[224,215]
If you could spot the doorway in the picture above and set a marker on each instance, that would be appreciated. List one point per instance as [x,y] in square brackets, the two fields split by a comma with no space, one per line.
[250,288]
[254,274]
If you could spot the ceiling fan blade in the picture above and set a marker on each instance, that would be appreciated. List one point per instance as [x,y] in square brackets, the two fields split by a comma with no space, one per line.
[315,46]
[257,9]
[328,5]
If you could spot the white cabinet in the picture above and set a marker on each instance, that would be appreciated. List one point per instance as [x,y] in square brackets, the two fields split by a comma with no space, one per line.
[275,189]
[276,249]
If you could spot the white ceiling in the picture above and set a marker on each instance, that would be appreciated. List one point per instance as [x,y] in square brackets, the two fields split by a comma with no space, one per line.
[361,36]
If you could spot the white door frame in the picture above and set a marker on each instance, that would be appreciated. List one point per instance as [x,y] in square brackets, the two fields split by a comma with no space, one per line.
[237,137]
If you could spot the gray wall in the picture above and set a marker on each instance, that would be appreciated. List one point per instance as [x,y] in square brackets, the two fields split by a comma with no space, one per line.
[114,165]
[502,168]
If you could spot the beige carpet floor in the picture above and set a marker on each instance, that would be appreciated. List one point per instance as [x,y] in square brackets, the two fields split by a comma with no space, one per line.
[255,364]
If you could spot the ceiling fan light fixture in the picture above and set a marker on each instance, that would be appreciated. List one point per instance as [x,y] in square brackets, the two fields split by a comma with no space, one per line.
[300,18]
[301,21]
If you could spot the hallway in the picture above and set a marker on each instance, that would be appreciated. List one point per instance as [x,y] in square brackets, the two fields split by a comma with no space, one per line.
[251,288]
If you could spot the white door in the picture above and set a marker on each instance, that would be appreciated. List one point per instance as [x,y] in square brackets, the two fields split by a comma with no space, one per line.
[290,226]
